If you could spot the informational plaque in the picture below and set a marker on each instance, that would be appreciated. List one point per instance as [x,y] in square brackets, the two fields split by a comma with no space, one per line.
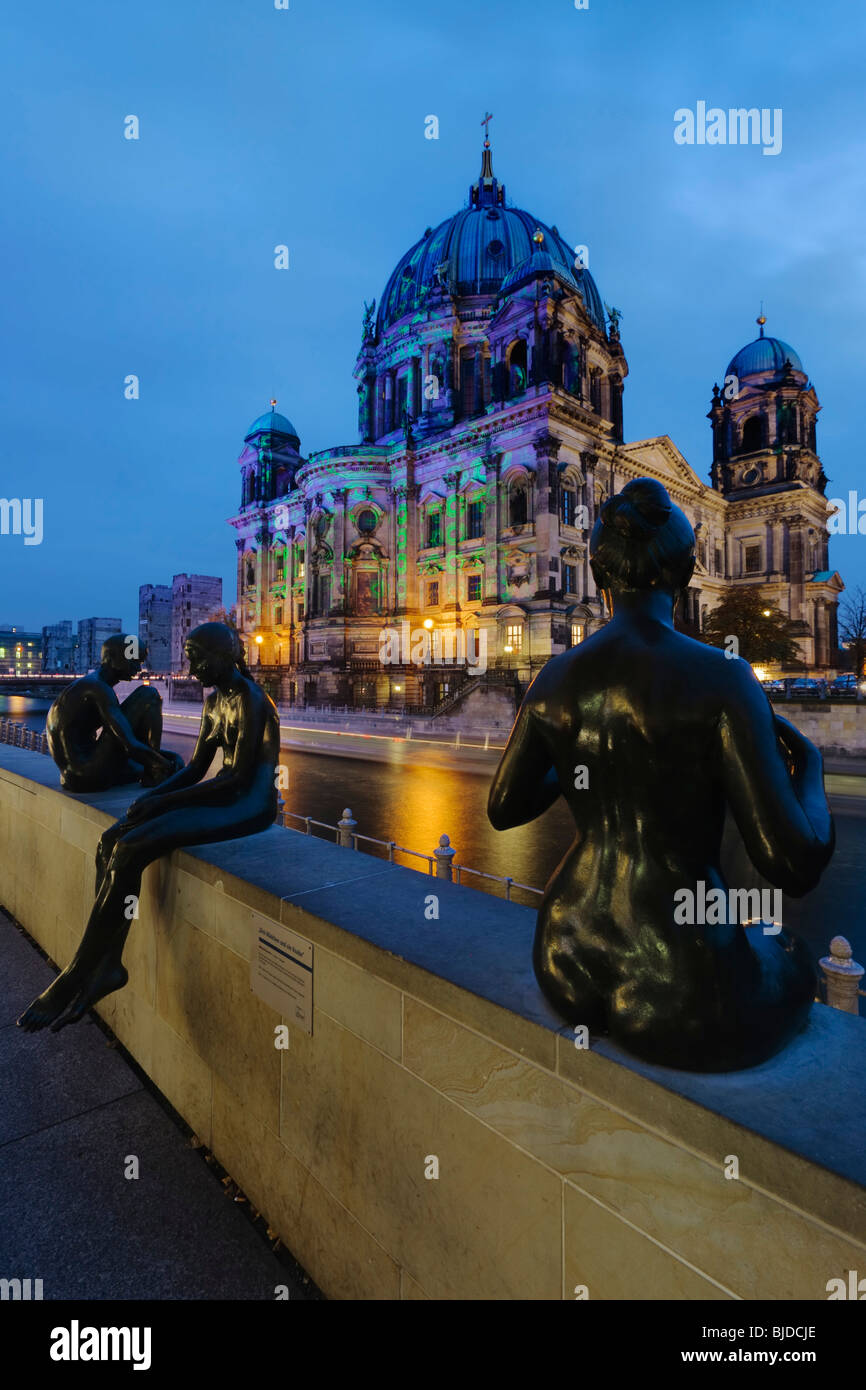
[281,971]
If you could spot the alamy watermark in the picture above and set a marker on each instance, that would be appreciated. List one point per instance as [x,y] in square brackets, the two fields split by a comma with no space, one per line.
[738,906]
[422,646]
[22,516]
[736,126]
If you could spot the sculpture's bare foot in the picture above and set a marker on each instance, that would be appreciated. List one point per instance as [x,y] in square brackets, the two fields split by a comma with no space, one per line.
[109,975]
[51,1003]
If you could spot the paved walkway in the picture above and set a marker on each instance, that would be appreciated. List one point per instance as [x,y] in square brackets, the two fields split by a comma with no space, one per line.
[71,1112]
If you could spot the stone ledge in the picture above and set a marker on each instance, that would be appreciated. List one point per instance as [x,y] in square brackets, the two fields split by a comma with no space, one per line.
[796,1123]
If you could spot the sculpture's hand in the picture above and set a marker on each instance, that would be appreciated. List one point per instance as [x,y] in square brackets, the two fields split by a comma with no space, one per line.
[161,766]
[140,809]
[798,750]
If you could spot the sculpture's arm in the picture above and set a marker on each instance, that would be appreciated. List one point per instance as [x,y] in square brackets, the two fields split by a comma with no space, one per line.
[153,802]
[781,814]
[113,718]
[224,788]
[525,784]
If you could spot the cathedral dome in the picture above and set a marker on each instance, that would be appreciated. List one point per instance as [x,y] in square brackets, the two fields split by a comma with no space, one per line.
[476,251]
[763,355]
[273,423]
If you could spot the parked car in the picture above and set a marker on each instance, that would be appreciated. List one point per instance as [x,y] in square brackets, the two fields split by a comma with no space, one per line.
[774,686]
[806,686]
[846,684]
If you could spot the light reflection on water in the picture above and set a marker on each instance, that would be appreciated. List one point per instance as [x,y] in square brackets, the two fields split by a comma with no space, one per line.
[399,801]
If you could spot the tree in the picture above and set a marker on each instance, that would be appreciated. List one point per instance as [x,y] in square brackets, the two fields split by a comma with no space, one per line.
[763,633]
[223,615]
[852,627]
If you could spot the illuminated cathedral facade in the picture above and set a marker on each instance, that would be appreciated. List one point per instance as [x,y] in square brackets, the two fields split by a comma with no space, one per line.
[490,419]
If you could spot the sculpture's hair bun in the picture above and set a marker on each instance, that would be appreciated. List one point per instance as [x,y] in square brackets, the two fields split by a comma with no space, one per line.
[641,509]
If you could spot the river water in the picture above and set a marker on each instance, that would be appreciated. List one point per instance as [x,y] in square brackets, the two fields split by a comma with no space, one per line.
[408,804]
[414,805]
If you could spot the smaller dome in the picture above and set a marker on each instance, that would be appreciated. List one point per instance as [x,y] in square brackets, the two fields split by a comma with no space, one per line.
[763,355]
[273,423]
[539,263]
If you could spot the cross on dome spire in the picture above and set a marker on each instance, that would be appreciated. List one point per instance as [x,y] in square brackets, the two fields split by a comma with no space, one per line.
[487,191]
[761,319]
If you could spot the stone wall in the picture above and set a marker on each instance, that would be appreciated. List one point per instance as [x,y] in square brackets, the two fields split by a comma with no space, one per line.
[557,1168]
[838,727]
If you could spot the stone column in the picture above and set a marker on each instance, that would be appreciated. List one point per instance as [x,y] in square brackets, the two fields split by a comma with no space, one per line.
[309,540]
[547,448]
[338,597]
[451,521]
[389,402]
[492,526]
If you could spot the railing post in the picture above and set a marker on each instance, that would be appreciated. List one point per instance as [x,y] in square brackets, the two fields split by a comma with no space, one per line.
[444,856]
[345,828]
[842,976]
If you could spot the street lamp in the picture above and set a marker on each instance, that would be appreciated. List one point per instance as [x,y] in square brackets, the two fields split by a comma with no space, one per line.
[428,623]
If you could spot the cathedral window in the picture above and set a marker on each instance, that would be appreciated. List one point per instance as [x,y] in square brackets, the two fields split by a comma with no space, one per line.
[473,588]
[577,634]
[281,565]
[366,521]
[434,528]
[433,593]
[514,637]
[517,511]
[251,575]
[567,506]
[753,434]
[278,615]
[475,521]
[719,567]
[324,593]
[569,579]
[753,559]
[517,367]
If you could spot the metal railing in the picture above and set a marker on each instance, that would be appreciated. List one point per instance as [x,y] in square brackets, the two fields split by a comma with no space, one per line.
[440,864]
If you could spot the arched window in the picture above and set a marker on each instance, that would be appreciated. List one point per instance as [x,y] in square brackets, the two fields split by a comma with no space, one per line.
[753,434]
[517,504]
[517,367]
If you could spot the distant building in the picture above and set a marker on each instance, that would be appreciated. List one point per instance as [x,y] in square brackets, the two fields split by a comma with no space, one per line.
[154,625]
[59,645]
[490,419]
[20,652]
[92,632]
[195,598]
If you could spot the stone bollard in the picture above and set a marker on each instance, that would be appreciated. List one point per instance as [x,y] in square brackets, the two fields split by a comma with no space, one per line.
[44,744]
[444,855]
[345,828]
[842,976]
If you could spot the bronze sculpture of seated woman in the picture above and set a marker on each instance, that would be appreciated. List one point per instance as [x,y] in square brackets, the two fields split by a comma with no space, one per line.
[241,720]
[649,736]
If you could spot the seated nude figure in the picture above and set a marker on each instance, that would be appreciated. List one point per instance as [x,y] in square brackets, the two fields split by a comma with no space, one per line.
[670,732]
[239,718]
[96,741]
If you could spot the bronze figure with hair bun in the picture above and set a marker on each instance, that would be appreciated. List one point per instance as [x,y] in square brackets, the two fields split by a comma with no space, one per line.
[671,733]
[241,720]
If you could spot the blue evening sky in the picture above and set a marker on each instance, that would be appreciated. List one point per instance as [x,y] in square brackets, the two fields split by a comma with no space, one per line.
[306,127]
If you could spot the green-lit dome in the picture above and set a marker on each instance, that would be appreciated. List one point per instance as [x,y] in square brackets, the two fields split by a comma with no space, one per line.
[273,423]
